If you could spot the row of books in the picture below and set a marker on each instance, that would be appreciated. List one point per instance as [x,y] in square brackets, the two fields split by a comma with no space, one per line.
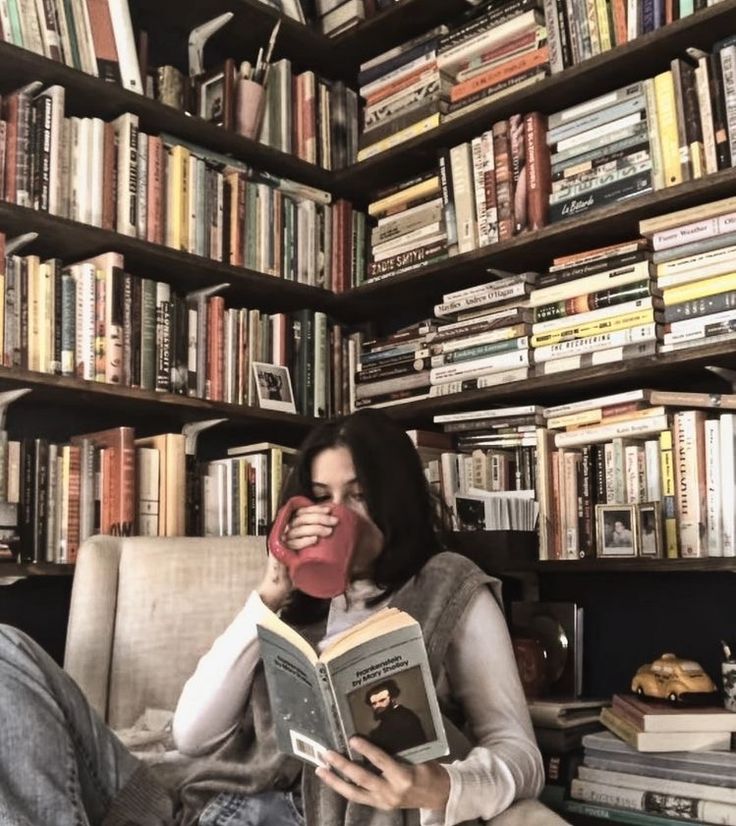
[530,170]
[494,49]
[594,307]
[616,781]
[658,463]
[94,36]
[158,189]
[94,321]
[54,496]
[310,117]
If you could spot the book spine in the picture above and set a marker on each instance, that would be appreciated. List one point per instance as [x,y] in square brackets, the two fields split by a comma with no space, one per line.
[689,454]
[713,487]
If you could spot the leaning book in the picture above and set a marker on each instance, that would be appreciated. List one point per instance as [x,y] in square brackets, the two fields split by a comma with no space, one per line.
[372,681]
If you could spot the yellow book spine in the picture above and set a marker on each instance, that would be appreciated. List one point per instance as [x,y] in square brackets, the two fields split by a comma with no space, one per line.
[664,90]
[699,289]
[604,29]
[669,510]
[174,197]
[421,190]
[619,322]
[424,125]
[655,145]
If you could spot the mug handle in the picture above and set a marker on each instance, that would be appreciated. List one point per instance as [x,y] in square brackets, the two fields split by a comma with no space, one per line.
[275,546]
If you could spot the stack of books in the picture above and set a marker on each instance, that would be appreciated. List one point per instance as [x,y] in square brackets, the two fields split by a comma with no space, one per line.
[695,262]
[618,782]
[489,338]
[338,16]
[600,151]
[411,229]
[499,49]
[404,92]
[596,307]
[394,368]
[650,725]
[559,728]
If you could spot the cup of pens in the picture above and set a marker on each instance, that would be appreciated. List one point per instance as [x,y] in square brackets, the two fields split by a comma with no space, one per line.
[250,93]
[728,673]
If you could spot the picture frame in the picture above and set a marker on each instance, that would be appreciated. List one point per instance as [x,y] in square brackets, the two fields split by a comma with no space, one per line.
[273,387]
[649,530]
[215,91]
[616,531]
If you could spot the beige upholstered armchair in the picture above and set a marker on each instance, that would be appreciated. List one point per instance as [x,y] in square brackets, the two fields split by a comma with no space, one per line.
[144,610]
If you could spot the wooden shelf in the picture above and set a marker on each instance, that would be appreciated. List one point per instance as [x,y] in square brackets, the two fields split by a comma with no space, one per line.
[88,95]
[35,569]
[389,28]
[129,401]
[532,250]
[654,566]
[654,371]
[641,58]
[73,241]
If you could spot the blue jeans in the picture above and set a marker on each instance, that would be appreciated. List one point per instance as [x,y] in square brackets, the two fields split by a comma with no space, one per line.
[60,765]
[265,809]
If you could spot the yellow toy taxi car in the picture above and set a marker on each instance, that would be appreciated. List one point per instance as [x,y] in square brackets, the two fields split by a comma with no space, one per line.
[669,677]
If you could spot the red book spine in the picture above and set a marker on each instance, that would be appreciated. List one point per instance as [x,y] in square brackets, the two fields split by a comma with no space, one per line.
[215,348]
[538,173]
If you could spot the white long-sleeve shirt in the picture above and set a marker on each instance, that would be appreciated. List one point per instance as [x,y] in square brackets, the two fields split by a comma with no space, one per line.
[480,673]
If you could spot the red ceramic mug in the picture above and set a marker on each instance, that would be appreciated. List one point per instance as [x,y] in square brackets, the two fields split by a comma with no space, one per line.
[320,570]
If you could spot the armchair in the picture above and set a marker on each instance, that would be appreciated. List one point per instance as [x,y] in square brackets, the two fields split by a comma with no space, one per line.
[143,611]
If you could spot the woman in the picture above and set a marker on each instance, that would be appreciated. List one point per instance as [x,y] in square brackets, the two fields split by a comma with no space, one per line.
[237,776]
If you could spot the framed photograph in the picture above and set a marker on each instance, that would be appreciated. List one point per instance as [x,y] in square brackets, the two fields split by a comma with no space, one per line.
[616,529]
[216,95]
[273,385]
[649,529]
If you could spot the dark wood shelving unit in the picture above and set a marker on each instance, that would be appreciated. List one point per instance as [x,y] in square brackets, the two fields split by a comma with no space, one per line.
[24,569]
[88,95]
[73,241]
[533,250]
[636,565]
[661,370]
[67,391]
[641,58]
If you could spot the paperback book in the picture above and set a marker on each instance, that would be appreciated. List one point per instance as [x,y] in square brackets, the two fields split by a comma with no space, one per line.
[372,681]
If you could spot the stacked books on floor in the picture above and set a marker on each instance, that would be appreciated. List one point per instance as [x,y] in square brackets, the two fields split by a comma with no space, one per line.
[694,257]
[595,307]
[493,51]
[617,781]
[600,150]
[638,473]
[404,92]
[411,229]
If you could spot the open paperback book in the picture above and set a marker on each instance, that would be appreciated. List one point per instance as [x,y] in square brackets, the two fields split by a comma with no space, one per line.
[373,680]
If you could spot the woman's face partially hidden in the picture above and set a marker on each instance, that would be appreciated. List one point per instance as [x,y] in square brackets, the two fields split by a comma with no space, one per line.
[334,482]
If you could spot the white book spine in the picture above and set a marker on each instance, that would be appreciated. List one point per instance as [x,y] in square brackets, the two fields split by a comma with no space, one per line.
[602,341]
[603,433]
[125,42]
[85,278]
[728,483]
[126,132]
[728,75]
[573,322]
[462,180]
[618,277]
[703,811]
[477,367]
[695,328]
[689,455]
[479,189]
[653,471]
[713,487]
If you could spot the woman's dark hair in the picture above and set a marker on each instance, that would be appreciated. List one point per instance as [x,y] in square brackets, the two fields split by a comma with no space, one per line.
[395,490]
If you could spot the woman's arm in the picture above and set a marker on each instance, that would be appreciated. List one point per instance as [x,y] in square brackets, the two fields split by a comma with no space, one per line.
[213,698]
[505,765]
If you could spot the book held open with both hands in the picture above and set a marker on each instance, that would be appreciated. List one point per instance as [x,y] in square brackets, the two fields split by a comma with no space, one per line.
[372,681]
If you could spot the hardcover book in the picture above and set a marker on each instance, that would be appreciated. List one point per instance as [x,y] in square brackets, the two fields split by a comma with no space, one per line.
[372,681]
[656,716]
